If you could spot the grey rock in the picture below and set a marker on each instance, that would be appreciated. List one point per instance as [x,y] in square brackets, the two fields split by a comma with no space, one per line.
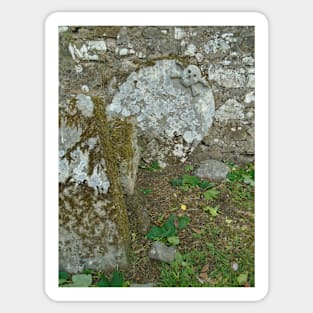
[161,252]
[212,169]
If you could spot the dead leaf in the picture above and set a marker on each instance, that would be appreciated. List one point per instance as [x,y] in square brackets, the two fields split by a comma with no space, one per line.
[196,230]
[246,284]
[204,276]
[205,268]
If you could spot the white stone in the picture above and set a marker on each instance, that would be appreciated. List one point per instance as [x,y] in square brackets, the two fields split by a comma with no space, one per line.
[248,60]
[199,57]
[85,88]
[85,104]
[63,29]
[179,33]
[123,51]
[191,50]
[229,78]
[99,45]
[249,97]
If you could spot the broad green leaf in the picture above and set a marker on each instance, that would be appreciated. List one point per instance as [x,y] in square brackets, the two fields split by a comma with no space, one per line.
[211,194]
[81,280]
[63,275]
[183,221]
[103,282]
[117,279]
[242,278]
[168,229]
[191,180]
[173,240]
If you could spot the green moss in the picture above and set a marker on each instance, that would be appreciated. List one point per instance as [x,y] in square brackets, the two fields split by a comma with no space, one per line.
[111,156]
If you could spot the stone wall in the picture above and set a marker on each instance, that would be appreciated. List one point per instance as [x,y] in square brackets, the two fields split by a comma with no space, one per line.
[225,56]
[156,93]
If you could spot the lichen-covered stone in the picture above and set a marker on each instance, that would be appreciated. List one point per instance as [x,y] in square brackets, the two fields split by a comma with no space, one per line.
[173,106]
[98,160]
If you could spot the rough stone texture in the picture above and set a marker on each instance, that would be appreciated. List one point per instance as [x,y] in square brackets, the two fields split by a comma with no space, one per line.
[145,70]
[102,58]
[93,223]
[173,106]
[212,170]
[159,251]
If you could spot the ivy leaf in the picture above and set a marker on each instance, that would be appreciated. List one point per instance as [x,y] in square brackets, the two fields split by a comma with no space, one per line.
[211,194]
[173,240]
[183,221]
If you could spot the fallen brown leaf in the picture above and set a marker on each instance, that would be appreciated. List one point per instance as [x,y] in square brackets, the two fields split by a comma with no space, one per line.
[204,277]
[205,268]
[196,230]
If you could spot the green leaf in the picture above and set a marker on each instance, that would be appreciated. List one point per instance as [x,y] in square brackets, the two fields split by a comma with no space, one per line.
[188,168]
[103,282]
[211,194]
[178,258]
[185,187]
[191,180]
[183,221]
[117,279]
[63,275]
[242,278]
[248,180]
[62,281]
[81,280]
[177,182]
[168,229]
[206,184]
[213,212]
[173,240]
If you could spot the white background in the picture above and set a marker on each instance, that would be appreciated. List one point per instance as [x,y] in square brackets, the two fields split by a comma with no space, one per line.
[21,166]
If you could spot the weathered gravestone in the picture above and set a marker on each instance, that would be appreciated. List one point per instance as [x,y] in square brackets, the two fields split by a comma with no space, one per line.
[173,106]
[98,161]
